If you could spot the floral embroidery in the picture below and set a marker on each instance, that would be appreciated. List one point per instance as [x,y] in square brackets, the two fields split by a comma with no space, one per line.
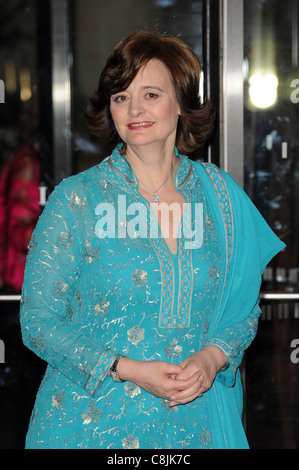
[102,307]
[135,335]
[92,414]
[92,254]
[205,437]
[132,390]
[60,287]
[76,203]
[66,239]
[173,350]
[58,400]
[166,408]
[130,442]
[139,278]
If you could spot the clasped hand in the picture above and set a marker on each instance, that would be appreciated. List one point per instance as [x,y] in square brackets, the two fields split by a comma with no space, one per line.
[196,377]
[178,383]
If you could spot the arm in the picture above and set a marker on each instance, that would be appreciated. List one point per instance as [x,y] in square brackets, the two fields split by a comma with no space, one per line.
[233,341]
[48,303]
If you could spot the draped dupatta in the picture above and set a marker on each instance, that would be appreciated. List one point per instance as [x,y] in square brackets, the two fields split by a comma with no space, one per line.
[248,244]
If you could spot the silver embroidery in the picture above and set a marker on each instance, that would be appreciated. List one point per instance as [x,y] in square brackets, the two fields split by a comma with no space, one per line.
[76,203]
[139,278]
[135,335]
[130,442]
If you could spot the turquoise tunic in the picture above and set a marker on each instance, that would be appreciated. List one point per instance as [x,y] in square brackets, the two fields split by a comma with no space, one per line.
[100,281]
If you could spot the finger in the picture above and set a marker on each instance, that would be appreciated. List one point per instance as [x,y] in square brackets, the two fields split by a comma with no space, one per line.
[173,403]
[188,398]
[173,369]
[187,373]
[185,396]
[190,379]
[188,394]
[183,402]
[173,385]
[181,385]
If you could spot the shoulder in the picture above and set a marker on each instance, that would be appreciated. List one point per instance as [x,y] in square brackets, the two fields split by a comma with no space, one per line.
[81,183]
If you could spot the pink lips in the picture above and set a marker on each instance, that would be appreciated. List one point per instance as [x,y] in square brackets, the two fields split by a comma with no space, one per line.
[137,126]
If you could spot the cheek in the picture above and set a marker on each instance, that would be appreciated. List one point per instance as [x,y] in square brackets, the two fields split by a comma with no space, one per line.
[170,111]
[114,113]
[117,118]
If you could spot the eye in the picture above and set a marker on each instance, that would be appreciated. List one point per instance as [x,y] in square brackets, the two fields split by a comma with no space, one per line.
[119,98]
[152,96]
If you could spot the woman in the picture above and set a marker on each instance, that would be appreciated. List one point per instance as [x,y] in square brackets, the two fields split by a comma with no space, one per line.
[144,323]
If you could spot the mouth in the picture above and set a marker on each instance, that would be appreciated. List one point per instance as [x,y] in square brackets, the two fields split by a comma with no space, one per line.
[140,125]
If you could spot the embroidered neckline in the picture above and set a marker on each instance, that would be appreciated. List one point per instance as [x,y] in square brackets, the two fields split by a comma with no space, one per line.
[118,170]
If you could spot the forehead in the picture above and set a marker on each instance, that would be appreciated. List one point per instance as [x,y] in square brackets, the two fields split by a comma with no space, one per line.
[154,71]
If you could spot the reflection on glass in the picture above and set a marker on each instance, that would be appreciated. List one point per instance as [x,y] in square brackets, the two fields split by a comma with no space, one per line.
[19,140]
[10,76]
[263,90]
[271,120]
[262,71]
[272,181]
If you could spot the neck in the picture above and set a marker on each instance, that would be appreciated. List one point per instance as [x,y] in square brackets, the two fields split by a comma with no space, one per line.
[152,165]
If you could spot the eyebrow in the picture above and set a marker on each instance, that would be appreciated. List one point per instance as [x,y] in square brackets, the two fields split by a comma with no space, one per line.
[153,87]
[145,87]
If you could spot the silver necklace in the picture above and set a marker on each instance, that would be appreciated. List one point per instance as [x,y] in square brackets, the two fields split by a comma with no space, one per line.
[155,197]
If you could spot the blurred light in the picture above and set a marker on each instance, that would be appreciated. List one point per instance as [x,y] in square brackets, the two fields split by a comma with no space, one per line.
[61,92]
[164,3]
[10,76]
[201,87]
[263,90]
[245,68]
[25,84]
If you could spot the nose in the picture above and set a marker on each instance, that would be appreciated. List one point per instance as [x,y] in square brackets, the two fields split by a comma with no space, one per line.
[136,107]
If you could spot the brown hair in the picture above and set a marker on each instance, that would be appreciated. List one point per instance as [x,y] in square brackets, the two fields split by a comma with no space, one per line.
[196,123]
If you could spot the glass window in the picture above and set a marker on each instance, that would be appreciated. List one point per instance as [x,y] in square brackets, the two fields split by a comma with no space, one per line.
[272,180]
[20,164]
[25,166]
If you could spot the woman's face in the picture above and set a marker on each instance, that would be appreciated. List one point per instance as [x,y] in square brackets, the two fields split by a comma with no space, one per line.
[147,111]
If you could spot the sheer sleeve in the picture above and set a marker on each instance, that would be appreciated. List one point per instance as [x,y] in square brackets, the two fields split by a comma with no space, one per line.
[48,303]
[234,341]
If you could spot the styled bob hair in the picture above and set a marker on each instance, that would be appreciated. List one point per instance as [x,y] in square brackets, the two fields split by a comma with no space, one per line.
[196,123]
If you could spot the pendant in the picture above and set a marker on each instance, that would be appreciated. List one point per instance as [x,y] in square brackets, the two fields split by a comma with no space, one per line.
[156,198]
